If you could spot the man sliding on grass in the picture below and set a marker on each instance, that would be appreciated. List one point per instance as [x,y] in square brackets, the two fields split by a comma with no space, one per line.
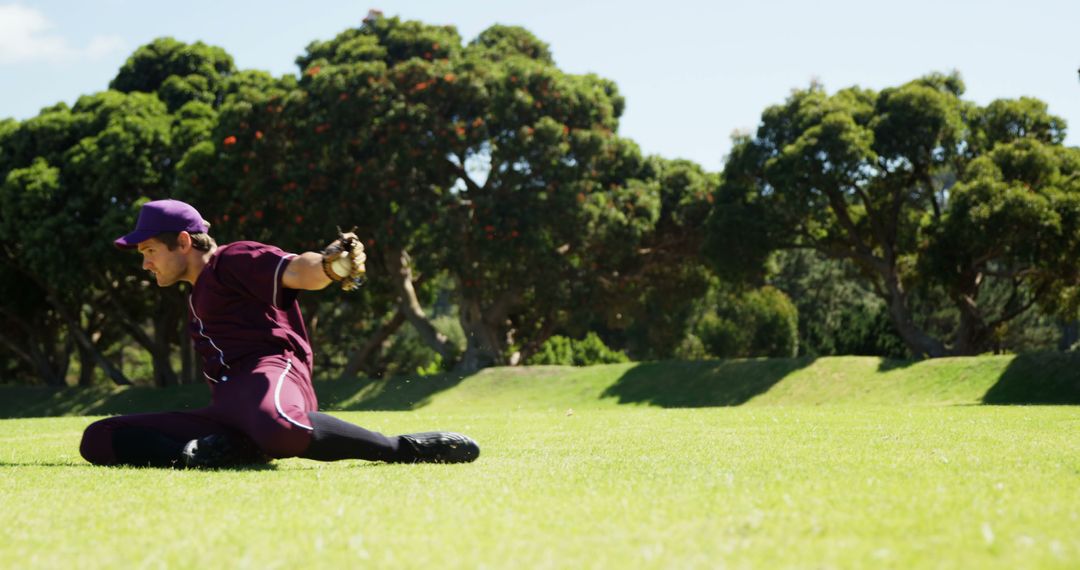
[246,323]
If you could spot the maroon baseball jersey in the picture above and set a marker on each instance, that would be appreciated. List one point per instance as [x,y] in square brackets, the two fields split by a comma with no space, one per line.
[240,311]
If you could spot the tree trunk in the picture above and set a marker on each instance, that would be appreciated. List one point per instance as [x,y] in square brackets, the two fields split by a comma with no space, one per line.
[86,367]
[187,361]
[484,334]
[75,330]
[533,346]
[63,359]
[483,347]
[918,342]
[159,345]
[1070,335]
[363,359]
[39,344]
[972,336]
[400,272]
[164,331]
[37,360]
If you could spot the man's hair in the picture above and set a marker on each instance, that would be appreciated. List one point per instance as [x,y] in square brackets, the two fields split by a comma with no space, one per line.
[199,240]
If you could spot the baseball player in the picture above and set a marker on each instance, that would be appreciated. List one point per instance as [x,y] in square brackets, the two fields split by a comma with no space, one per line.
[246,324]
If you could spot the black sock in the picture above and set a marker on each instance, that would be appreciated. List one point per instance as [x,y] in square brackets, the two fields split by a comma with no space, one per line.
[142,447]
[334,439]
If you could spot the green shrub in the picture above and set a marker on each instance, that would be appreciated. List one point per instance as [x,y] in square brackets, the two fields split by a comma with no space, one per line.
[691,348]
[762,322]
[570,352]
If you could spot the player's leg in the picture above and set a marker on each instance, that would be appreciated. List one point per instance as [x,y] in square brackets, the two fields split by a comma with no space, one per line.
[266,401]
[334,439]
[273,404]
[156,440]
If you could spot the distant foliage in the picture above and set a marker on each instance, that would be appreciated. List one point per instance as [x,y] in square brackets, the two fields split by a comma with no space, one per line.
[972,212]
[565,351]
[500,206]
[838,313]
[762,322]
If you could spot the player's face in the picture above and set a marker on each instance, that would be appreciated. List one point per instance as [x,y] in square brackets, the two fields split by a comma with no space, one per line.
[167,266]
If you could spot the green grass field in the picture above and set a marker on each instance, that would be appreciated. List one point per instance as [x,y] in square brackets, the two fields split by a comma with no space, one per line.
[833,463]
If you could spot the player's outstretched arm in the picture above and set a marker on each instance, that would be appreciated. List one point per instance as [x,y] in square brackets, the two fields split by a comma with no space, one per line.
[305,272]
[342,262]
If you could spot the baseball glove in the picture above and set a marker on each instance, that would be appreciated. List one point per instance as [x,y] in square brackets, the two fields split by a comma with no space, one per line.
[343,261]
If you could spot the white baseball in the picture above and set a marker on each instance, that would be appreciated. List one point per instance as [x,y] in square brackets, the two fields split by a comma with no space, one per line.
[341,266]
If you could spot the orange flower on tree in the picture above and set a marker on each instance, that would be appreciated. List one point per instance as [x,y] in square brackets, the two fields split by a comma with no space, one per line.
[229,140]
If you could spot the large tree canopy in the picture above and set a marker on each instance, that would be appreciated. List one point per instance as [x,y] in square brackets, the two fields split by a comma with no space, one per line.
[83,166]
[73,179]
[501,207]
[177,72]
[918,189]
[483,161]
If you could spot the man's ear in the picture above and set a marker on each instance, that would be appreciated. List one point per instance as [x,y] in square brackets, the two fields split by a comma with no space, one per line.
[183,239]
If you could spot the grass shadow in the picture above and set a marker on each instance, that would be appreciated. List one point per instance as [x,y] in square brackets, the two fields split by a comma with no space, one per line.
[1039,378]
[888,364]
[42,401]
[698,384]
[400,393]
[17,464]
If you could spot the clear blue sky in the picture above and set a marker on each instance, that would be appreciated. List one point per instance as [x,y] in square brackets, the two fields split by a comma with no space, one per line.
[691,72]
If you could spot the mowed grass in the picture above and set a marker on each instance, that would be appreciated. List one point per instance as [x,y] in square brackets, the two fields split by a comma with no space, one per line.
[629,487]
[828,463]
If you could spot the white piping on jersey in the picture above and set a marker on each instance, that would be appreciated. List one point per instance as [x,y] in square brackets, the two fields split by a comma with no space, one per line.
[202,332]
[277,397]
[277,277]
[223,378]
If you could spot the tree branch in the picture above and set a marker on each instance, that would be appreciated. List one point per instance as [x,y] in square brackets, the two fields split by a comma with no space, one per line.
[360,357]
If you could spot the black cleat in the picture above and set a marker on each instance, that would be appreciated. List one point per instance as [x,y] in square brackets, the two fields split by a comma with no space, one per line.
[442,447]
[217,450]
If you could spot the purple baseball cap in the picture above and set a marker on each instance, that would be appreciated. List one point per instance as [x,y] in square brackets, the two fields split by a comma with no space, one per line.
[163,216]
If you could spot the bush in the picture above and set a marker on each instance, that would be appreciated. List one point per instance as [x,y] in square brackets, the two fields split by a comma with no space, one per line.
[408,354]
[570,352]
[762,322]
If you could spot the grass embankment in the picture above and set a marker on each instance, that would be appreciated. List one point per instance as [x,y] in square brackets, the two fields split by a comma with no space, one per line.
[900,473]
[1052,378]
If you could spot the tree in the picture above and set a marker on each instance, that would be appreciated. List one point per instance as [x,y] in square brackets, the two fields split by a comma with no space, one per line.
[738,323]
[838,312]
[73,180]
[650,271]
[179,73]
[467,160]
[553,193]
[1009,239]
[900,183]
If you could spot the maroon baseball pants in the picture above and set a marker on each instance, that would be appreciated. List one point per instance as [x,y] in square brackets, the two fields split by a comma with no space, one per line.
[267,400]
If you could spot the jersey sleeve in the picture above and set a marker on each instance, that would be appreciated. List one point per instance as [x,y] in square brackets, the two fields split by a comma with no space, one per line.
[256,269]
